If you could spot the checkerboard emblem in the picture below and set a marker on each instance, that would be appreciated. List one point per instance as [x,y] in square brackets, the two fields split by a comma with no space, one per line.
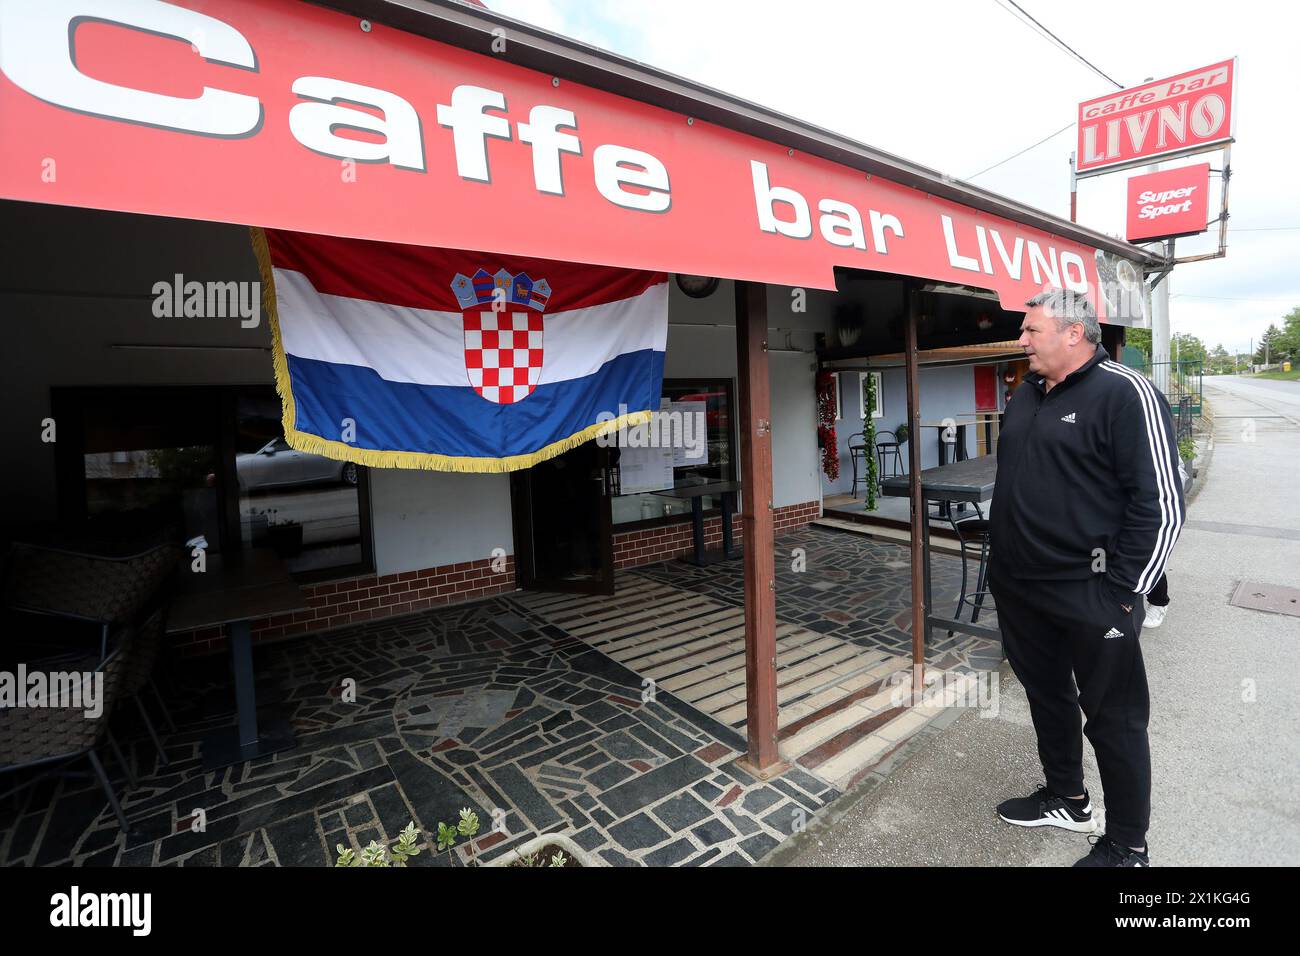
[503,332]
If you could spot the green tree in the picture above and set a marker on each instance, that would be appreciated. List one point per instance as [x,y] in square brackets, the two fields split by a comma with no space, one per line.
[1140,339]
[1188,348]
[1288,341]
[1219,361]
[1267,350]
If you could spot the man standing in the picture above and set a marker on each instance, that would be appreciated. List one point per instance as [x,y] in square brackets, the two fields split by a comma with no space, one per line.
[1085,512]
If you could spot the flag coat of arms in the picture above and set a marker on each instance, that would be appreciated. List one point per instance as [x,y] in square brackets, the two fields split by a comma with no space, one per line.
[412,357]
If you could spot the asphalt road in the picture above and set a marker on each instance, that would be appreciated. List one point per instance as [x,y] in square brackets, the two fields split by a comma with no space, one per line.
[1225,693]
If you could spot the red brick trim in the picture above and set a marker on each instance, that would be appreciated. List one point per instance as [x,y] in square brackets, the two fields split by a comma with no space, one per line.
[648,545]
[332,604]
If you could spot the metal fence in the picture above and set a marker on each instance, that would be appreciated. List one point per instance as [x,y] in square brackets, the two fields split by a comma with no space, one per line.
[1181,383]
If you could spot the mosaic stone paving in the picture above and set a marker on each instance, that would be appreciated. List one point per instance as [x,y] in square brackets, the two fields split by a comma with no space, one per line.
[478,706]
[490,706]
[852,587]
[842,707]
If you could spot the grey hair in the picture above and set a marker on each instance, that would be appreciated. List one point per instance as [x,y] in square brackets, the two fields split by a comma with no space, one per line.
[1068,308]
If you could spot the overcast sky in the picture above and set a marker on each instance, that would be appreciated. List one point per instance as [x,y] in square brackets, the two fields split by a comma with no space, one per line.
[958,86]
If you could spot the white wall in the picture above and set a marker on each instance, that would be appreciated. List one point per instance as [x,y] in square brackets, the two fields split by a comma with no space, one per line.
[424,519]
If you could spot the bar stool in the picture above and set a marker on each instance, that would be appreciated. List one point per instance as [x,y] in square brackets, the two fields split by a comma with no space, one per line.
[857,452]
[887,452]
[973,538]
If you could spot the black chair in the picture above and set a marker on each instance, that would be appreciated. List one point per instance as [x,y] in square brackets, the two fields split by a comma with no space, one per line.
[53,737]
[100,590]
[888,453]
[973,539]
[139,673]
[858,453]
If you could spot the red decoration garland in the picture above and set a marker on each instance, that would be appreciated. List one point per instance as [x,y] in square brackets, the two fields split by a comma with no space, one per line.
[826,424]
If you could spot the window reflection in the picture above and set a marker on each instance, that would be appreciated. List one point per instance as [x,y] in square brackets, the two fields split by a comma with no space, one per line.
[305,507]
[714,399]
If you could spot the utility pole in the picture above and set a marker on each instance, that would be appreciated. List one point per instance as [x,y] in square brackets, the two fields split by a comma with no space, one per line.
[1160,315]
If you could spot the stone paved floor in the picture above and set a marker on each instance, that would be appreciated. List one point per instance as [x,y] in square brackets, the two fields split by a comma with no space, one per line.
[487,706]
[475,706]
[852,587]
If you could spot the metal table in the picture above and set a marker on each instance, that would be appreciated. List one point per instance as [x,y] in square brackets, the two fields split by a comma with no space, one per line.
[234,595]
[963,481]
[957,442]
[727,490]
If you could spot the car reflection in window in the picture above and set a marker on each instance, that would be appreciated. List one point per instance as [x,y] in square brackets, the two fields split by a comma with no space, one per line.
[276,465]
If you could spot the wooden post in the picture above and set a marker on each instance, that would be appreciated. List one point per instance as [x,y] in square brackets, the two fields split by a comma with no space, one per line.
[756,519]
[919,520]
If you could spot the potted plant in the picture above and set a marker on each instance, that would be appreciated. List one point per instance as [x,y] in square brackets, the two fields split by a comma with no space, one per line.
[902,434]
[549,849]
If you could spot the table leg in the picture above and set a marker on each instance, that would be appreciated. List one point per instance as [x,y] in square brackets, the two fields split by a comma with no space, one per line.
[241,655]
[925,564]
[247,740]
[697,528]
[728,505]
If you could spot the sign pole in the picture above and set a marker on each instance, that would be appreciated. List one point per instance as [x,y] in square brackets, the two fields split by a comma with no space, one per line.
[1074,191]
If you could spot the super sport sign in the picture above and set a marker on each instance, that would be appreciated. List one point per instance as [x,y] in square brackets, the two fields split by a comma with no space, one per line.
[1172,202]
[1177,116]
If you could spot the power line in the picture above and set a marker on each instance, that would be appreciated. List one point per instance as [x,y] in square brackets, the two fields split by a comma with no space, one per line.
[1043,31]
[1266,229]
[1065,46]
[1025,150]
[1222,298]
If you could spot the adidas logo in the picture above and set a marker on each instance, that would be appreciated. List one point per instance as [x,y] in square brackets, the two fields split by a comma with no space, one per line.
[1114,633]
[1068,418]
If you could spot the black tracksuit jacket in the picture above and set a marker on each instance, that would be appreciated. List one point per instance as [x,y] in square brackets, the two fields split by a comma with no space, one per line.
[1088,469]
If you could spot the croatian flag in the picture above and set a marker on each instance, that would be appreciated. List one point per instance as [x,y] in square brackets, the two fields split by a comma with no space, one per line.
[411,357]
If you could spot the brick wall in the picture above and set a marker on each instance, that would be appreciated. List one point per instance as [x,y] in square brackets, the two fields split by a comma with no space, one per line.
[334,604]
[647,545]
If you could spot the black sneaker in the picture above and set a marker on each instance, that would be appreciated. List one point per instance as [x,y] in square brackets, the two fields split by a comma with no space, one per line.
[1106,852]
[1045,808]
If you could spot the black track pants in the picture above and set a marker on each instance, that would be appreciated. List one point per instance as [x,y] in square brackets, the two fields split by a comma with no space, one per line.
[1055,636]
[1159,593]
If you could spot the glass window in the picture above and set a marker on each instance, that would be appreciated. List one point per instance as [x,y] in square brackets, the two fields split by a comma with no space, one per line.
[150,468]
[305,507]
[177,463]
[699,424]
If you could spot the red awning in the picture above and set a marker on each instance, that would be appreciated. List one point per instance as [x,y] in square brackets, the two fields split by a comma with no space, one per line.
[302,118]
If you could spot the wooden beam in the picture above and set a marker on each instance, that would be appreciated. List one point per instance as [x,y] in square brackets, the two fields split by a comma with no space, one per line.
[755,401]
[918,522]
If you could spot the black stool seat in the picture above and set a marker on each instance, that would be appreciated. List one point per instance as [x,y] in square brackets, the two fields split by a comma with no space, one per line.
[972,533]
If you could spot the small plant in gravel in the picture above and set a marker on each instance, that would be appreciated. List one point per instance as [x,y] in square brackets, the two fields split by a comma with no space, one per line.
[466,827]
[376,854]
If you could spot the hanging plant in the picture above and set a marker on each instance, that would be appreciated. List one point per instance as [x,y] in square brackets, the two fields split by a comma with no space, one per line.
[826,424]
[869,431]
